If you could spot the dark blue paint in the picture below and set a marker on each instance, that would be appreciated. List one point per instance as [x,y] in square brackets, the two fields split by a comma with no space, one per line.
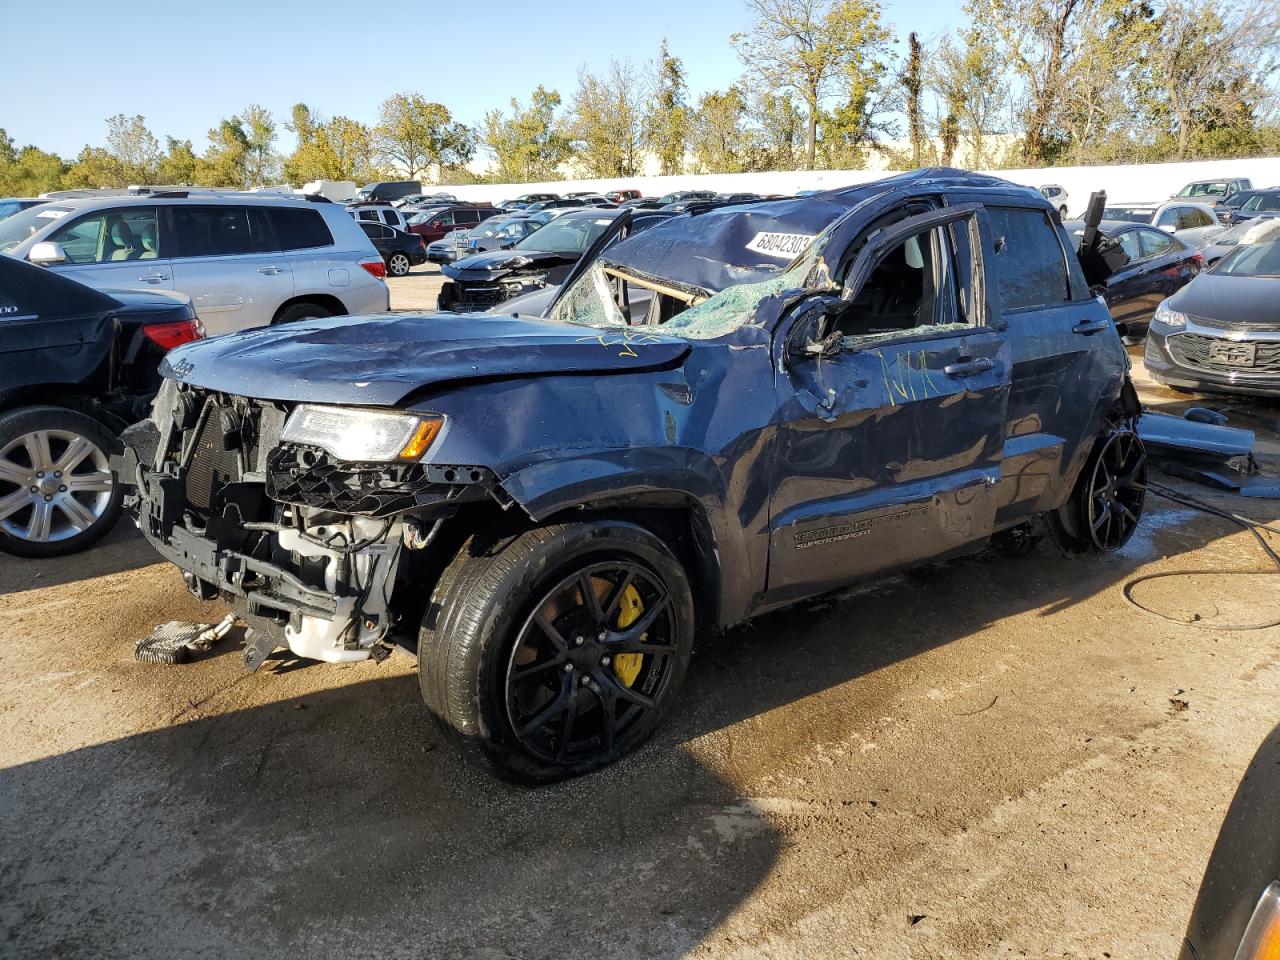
[774,452]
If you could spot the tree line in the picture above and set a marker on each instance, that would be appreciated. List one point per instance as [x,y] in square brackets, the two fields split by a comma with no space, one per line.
[1023,83]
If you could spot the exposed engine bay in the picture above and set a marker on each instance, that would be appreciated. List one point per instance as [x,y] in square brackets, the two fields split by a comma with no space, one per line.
[305,547]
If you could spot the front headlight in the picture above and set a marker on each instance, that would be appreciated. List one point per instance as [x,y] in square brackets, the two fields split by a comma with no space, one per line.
[1168,316]
[363,435]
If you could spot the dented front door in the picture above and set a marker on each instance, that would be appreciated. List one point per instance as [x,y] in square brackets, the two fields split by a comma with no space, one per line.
[889,454]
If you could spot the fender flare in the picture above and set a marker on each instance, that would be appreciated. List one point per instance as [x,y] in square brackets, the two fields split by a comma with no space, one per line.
[672,477]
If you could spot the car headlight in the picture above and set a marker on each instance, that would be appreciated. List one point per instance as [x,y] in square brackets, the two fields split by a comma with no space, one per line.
[1168,316]
[363,435]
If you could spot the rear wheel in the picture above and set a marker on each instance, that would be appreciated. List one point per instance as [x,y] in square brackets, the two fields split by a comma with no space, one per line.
[301,311]
[398,265]
[557,652]
[1106,505]
[58,494]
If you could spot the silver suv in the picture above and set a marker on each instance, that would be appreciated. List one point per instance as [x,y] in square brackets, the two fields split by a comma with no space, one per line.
[245,261]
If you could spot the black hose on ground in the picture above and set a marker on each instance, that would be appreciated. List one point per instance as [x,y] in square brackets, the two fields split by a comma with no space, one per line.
[1253,526]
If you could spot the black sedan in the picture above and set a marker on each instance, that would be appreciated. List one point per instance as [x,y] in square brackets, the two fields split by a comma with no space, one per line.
[400,251]
[543,258]
[77,366]
[1221,332]
[1159,265]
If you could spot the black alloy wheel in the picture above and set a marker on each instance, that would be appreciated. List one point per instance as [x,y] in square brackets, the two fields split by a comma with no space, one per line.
[1117,489]
[553,652]
[591,660]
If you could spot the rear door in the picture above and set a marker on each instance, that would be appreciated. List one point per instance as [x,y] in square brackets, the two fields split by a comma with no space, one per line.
[228,261]
[120,247]
[1064,349]
[889,447]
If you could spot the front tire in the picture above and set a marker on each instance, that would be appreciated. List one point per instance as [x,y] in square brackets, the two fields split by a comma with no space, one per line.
[557,652]
[58,494]
[398,265]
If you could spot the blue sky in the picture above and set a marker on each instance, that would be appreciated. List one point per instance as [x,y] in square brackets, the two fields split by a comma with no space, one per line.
[184,65]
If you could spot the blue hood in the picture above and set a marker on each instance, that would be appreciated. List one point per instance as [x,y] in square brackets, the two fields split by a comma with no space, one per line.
[379,360]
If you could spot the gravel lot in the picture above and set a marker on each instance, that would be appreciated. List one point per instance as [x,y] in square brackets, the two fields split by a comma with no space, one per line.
[996,757]
[417,291]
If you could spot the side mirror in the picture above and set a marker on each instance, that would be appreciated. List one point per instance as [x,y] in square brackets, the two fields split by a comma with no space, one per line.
[46,252]
[1169,227]
[811,337]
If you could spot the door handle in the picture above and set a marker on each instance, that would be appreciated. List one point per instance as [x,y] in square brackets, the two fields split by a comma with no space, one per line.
[270,270]
[154,277]
[967,368]
[1091,326]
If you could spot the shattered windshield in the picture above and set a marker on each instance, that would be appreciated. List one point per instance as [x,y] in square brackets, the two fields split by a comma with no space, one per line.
[593,300]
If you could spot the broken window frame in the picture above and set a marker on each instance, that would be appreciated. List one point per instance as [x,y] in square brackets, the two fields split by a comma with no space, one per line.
[879,242]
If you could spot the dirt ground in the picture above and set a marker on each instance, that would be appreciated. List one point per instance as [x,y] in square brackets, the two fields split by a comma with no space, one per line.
[997,757]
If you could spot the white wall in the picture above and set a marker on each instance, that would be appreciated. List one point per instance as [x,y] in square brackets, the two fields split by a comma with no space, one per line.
[1129,183]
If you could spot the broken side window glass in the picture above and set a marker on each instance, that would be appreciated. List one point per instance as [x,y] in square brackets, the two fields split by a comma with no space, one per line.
[911,292]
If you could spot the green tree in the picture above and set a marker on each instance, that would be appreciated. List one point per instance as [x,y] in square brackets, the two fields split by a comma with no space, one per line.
[606,121]
[1040,40]
[1211,62]
[96,167]
[720,139]
[414,135]
[262,163]
[913,87]
[302,123]
[225,162]
[779,125]
[179,164]
[970,82]
[820,49]
[528,145]
[28,172]
[134,147]
[339,149]
[666,125]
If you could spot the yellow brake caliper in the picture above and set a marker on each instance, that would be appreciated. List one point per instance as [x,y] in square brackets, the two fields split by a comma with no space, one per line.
[627,665]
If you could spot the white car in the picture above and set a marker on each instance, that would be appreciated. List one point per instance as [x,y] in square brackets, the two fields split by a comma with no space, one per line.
[382,213]
[1195,224]
[1057,196]
[244,260]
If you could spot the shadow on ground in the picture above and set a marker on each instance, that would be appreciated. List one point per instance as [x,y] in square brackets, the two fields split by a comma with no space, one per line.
[341,824]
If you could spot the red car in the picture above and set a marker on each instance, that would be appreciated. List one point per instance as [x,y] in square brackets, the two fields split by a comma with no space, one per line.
[617,196]
[432,225]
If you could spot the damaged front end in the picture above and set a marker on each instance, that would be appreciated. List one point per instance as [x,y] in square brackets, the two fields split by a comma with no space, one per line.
[261,503]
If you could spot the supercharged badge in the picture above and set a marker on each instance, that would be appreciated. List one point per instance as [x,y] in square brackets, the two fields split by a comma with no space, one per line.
[850,530]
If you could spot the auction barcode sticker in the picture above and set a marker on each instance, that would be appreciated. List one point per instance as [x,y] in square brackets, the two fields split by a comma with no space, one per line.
[785,245]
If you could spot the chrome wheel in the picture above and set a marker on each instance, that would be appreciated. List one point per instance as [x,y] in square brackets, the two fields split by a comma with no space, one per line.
[54,485]
[1117,490]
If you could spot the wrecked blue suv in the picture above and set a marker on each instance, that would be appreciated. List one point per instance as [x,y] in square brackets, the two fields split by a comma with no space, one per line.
[719,416]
